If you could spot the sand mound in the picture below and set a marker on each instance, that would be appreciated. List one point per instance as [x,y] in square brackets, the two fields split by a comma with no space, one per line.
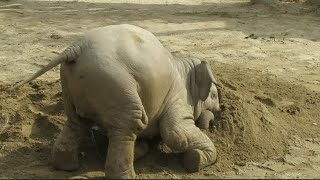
[259,114]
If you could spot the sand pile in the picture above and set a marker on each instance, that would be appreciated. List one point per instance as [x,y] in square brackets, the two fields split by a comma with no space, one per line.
[259,115]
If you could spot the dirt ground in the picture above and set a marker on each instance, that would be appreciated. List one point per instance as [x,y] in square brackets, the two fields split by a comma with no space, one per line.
[266,58]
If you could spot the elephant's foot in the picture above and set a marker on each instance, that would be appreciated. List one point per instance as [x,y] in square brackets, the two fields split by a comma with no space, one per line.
[195,159]
[65,160]
[65,150]
[130,174]
[120,156]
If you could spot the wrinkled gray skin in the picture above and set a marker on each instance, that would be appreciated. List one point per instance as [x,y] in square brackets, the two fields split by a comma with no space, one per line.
[122,78]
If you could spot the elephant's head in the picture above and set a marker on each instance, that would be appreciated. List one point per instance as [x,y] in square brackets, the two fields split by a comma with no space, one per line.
[208,102]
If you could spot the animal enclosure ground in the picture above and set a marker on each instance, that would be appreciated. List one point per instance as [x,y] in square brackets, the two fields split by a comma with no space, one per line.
[266,58]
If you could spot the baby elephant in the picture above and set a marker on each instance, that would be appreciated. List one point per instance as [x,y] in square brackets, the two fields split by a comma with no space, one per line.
[121,78]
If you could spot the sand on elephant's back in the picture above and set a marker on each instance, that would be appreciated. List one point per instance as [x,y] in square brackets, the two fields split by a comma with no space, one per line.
[259,114]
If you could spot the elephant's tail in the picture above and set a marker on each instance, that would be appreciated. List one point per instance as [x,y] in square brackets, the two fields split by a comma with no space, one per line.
[69,55]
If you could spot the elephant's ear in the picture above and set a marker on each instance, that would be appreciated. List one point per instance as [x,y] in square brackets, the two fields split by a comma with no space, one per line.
[204,79]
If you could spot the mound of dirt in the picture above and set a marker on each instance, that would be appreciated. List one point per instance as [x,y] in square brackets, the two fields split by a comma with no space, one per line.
[259,115]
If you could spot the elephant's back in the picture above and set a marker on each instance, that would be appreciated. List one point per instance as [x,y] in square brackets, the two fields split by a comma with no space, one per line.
[123,60]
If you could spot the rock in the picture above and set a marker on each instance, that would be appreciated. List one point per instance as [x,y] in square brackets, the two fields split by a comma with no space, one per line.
[78,177]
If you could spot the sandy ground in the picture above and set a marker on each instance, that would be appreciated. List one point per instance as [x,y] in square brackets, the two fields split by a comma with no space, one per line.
[267,59]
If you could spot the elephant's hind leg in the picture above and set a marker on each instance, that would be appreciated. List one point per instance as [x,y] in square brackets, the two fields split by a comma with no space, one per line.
[178,132]
[65,149]
[122,133]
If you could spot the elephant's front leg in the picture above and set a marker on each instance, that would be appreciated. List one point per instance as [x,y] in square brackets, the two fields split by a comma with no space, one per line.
[120,157]
[179,133]
[203,122]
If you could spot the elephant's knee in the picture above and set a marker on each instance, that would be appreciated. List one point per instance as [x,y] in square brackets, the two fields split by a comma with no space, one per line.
[139,121]
[175,139]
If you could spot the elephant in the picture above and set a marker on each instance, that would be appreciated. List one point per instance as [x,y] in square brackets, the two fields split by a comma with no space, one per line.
[123,79]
